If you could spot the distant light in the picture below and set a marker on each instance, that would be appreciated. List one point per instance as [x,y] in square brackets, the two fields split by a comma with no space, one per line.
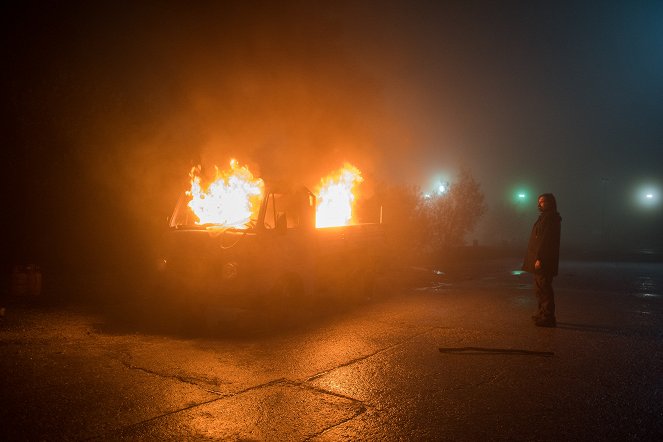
[648,197]
[427,196]
[520,197]
[442,188]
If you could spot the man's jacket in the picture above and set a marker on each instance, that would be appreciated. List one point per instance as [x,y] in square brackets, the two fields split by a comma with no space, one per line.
[544,244]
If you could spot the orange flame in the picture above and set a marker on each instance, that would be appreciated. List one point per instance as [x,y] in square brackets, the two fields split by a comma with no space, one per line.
[336,198]
[230,200]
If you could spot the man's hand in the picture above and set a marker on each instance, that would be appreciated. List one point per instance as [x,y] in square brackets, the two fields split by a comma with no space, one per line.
[537,264]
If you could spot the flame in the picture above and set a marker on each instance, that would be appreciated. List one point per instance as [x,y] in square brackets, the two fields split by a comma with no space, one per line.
[336,198]
[230,200]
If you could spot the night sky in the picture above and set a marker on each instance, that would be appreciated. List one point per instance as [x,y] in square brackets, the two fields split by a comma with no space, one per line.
[106,106]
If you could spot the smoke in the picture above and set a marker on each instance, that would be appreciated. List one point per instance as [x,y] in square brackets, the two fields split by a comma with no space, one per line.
[129,98]
[279,88]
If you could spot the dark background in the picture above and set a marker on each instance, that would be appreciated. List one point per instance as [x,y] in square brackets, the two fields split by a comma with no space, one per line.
[107,105]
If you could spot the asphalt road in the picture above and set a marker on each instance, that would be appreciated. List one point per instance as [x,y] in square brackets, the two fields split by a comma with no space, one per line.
[370,370]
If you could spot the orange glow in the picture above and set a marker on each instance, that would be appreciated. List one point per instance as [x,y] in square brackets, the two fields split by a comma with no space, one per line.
[336,197]
[232,199]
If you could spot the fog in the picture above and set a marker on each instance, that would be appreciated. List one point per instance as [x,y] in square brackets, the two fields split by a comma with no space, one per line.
[109,105]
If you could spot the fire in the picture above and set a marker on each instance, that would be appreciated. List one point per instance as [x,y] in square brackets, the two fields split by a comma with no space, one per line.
[336,198]
[230,200]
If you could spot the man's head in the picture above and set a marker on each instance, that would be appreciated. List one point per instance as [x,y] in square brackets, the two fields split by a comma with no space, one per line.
[547,202]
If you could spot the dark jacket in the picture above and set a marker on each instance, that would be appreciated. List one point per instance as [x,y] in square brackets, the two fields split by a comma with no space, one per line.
[544,244]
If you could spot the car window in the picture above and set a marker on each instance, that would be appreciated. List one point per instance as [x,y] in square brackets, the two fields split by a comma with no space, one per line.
[279,203]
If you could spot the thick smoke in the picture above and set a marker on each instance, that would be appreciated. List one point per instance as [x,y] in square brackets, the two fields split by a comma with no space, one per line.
[145,94]
[278,88]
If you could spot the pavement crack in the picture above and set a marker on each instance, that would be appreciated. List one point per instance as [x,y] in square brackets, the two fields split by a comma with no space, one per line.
[360,410]
[113,434]
[370,355]
[106,436]
[196,382]
[256,387]
[323,391]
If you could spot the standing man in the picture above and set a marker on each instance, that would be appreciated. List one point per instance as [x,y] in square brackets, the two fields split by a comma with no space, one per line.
[542,258]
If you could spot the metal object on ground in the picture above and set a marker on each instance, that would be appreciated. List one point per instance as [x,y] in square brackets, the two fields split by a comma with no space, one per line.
[501,351]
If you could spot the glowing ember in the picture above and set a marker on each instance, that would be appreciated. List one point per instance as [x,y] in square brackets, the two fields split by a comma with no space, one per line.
[230,200]
[336,197]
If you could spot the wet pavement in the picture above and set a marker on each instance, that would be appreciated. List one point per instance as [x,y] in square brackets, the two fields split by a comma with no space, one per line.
[434,356]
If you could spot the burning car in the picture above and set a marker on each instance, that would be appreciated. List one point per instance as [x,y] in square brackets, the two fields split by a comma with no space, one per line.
[240,240]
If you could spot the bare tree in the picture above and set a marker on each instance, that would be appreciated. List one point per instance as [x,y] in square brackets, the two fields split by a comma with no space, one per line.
[415,225]
[456,212]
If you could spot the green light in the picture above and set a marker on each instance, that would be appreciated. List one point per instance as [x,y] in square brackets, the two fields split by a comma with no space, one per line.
[519,196]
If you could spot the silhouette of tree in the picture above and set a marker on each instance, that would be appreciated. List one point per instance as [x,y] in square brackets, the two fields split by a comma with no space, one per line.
[455,213]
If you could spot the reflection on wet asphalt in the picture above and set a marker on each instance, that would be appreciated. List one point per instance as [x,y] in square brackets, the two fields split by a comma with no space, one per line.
[439,353]
[646,285]
[634,289]
[643,280]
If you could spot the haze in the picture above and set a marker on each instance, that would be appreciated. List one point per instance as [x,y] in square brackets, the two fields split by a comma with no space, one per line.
[108,105]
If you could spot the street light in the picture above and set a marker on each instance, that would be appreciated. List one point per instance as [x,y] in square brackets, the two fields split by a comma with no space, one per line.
[442,188]
[520,197]
[648,197]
